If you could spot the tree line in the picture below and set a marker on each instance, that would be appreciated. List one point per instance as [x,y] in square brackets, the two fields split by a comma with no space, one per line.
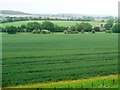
[47,25]
[14,19]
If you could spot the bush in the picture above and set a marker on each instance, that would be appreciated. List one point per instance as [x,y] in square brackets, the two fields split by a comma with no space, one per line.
[93,31]
[11,29]
[34,31]
[65,32]
[45,32]
[38,31]
[76,32]
[108,31]
[72,32]
[82,31]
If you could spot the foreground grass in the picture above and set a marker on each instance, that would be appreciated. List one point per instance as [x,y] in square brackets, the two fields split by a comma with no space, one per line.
[110,81]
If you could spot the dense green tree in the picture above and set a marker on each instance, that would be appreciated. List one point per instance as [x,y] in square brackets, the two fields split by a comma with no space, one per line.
[11,29]
[79,27]
[59,28]
[22,28]
[86,27]
[33,26]
[116,28]
[10,19]
[72,28]
[48,25]
[109,24]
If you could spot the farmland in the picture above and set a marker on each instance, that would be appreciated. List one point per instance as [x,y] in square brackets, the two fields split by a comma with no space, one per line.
[60,23]
[33,58]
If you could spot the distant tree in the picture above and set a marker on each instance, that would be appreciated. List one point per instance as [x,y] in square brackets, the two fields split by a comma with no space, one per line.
[19,29]
[33,26]
[86,27]
[11,29]
[79,27]
[10,19]
[72,28]
[48,25]
[59,28]
[23,28]
[116,28]
[109,24]
[1,29]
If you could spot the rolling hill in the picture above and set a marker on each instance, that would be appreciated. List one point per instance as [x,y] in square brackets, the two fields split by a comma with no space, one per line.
[13,12]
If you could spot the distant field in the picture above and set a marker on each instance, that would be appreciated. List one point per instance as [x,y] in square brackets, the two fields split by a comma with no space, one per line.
[61,23]
[30,58]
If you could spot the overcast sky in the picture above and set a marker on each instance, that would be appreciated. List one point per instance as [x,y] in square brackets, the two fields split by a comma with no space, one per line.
[87,7]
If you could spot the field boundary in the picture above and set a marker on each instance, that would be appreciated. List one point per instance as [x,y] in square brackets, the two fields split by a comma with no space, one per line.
[70,83]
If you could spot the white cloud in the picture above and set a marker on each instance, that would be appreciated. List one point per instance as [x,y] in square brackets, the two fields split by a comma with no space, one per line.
[103,7]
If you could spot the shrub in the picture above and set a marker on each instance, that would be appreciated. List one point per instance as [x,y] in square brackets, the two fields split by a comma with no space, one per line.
[72,32]
[76,32]
[108,31]
[82,31]
[45,31]
[93,31]
[65,32]
[38,31]
[34,31]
